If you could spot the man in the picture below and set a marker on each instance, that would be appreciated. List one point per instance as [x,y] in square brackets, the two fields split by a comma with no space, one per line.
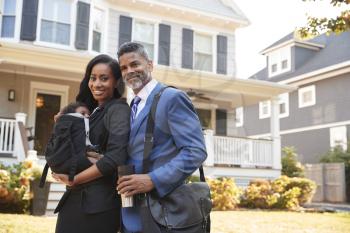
[179,147]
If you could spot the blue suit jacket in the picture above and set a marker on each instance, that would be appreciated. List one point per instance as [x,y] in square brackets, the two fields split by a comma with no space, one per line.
[178,150]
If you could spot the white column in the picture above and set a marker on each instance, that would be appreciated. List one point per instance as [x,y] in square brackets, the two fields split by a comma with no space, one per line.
[209,143]
[275,134]
[18,150]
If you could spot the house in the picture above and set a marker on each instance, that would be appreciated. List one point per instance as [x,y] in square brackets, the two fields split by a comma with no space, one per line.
[315,117]
[45,45]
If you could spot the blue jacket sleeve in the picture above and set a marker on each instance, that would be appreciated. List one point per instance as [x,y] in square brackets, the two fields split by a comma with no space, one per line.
[187,135]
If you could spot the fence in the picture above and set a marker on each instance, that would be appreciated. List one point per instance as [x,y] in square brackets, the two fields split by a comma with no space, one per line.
[7,132]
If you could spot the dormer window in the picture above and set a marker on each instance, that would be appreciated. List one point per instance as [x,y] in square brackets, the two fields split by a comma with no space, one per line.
[279,61]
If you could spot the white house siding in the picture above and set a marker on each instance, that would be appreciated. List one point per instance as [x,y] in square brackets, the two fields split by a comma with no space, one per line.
[113,32]
[231,127]
[9,108]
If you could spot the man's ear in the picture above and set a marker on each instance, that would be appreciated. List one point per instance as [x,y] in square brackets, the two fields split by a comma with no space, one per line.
[150,65]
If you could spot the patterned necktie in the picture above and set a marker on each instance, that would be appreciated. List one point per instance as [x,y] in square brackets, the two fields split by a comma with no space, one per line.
[134,103]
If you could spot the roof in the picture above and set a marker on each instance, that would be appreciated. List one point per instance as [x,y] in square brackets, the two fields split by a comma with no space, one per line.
[218,7]
[336,50]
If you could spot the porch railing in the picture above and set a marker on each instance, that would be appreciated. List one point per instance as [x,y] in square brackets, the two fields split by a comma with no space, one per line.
[7,135]
[242,152]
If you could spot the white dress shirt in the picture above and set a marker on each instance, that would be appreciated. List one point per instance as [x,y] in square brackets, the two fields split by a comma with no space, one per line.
[144,93]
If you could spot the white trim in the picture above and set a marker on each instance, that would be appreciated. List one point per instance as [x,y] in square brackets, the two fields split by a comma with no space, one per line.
[294,42]
[277,57]
[327,70]
[240,111]
[45,88]
[18,21]
[303,129]
[301,91]
[213,50]
[261,114]
[103,31]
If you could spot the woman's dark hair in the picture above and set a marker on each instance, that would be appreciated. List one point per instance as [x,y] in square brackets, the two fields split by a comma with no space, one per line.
[72,107]
[85,95]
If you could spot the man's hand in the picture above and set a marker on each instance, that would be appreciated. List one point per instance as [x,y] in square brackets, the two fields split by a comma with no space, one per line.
[134,184]
[63,178]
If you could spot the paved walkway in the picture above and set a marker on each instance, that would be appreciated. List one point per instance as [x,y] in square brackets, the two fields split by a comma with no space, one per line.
[332,207]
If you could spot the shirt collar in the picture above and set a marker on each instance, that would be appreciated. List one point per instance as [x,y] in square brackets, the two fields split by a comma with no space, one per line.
[146,90]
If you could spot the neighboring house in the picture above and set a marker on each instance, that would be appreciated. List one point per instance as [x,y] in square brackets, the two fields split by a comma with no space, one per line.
[46,44]
[316,116]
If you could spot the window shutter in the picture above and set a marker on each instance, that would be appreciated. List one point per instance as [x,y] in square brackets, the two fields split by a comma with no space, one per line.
[29,20]
[125,29]
[82,29]
[221,67]
[164,45]
[187,48]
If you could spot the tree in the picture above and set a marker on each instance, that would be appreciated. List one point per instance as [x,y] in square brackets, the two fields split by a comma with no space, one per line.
[290,165]
[316,26]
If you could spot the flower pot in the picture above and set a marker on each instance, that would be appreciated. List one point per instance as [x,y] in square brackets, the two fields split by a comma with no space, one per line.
[40,197]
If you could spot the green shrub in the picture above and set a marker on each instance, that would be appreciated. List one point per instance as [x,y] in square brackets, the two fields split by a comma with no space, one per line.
[282,193]
[338,155]
[290,165]
[224,193]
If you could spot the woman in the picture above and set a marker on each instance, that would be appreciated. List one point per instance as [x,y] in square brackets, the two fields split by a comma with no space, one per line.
[91,203]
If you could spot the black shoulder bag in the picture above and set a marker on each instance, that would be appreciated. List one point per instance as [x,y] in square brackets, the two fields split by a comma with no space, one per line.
[186,209]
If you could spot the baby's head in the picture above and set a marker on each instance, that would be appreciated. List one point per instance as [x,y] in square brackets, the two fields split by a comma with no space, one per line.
[76,107]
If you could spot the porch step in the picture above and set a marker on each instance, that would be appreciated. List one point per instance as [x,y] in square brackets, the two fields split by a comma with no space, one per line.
[55,194]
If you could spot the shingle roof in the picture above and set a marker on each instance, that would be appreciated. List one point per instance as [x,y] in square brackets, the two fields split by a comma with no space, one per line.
[209,6]
[336,50]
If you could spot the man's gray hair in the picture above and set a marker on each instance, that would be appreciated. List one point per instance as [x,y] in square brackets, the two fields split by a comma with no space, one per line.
[133,47]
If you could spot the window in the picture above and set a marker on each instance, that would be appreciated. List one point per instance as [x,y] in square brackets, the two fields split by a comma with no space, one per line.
[307,96]
[239,117]
[274,68]
[279,61]
[55,21]
[8,18]
[338,137]
[203,52]
[97,29]
[284,64]
[283,105]
[143,32]
[264,109]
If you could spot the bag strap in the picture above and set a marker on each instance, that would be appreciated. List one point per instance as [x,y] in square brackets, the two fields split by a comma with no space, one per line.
[148,145]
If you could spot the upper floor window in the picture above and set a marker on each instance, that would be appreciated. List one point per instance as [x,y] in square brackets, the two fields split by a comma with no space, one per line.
[239,117]
[264,109]
[143,32]
[56,21]
[203,52]
[8,18]
[307,96]
[97,30]
[279,61]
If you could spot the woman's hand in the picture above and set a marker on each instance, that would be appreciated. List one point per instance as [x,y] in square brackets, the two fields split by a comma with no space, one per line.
[63,178]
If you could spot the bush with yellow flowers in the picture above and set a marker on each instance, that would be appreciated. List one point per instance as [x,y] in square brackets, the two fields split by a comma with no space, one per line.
[224,193]
[15,186]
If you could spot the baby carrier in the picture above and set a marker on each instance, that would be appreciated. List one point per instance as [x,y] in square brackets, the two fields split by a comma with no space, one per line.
[66,150]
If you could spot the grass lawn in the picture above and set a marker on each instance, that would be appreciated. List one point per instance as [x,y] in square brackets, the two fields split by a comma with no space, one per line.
[222,222]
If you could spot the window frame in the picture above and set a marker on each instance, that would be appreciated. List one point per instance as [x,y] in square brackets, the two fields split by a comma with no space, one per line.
[155,24]
[213,51]
[18,21]
[333,131]
[262,115]
[277,57]
[301,91]
[73,16]
[283,99]
[103,30]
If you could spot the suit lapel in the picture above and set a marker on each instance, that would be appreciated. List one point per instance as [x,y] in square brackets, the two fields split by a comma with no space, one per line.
[144,113]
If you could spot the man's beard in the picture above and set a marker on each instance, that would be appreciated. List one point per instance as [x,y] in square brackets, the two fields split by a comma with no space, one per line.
[138,80]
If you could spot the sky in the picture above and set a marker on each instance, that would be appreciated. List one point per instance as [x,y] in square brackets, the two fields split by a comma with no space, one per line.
[270,20]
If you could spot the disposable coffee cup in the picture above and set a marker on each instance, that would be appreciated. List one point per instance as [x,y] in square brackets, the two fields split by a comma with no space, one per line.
[124,171]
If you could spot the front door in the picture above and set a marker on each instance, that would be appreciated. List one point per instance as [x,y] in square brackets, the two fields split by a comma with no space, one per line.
[46,106]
